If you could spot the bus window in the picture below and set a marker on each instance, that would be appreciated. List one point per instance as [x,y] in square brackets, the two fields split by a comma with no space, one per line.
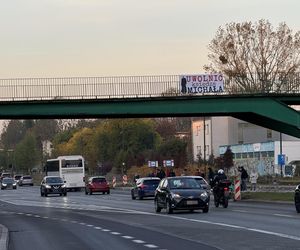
[71,163]
[52,166]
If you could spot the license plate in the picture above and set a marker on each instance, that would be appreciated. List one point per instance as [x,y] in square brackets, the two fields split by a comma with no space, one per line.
[192,202]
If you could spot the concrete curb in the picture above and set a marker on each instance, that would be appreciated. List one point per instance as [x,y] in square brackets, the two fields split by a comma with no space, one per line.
[3,238]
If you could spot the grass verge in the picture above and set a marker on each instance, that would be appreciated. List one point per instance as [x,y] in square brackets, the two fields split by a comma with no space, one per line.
[268,196]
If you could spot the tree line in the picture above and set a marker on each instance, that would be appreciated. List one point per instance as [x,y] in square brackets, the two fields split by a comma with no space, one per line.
[107,145]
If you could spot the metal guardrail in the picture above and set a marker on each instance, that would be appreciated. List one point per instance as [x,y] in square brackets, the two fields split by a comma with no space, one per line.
[132,87]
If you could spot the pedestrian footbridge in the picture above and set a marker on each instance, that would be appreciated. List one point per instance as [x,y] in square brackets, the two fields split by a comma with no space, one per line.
[148,96]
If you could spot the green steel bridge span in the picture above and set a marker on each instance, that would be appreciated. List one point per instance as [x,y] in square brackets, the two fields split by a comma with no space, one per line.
[145,96]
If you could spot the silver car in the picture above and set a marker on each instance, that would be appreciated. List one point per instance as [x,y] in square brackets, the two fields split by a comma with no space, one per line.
[26,180]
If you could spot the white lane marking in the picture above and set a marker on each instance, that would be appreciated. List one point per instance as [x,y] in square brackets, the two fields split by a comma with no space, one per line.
[98,228]
[284,215]
[240,211]
[20,213]
[37,216]
[82,223]
[89,225]
[115,233]
[127,237]
[150,246]
[28,214]
[105,230]
[139,241]
[45,217]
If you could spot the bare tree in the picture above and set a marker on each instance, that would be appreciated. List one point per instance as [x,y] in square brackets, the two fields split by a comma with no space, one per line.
[256,57]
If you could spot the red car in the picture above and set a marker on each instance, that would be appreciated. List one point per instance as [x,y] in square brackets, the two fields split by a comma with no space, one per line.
[97,184]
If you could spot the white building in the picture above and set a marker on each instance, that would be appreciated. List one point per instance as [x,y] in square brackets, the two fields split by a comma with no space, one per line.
[221,132]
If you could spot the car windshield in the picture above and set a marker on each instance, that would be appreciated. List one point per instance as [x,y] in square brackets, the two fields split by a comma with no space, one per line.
[201,181]
[5,175]
[8,180]
[98,180]
[27,177]
[151,182]
[54,180]
[17,177]
[184,183]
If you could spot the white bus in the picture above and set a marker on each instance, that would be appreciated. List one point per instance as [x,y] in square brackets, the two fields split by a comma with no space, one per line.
[68,167]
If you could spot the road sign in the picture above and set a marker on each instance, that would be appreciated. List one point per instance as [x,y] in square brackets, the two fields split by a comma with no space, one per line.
[281,159]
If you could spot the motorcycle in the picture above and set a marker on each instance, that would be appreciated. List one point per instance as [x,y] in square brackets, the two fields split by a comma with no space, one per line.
[222,193]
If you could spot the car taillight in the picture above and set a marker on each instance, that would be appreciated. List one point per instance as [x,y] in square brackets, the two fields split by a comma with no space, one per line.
[226,189]
[83,178]
[143,186]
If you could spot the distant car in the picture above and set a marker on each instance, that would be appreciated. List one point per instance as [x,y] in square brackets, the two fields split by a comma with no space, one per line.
[26,180]
[181,193]
[297,198]
[97,184]
[144,187]
[17,178]
[4,175]
[8,183]
[53,185]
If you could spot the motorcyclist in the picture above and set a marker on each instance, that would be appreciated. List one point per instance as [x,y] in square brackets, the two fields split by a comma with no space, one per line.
[219,177]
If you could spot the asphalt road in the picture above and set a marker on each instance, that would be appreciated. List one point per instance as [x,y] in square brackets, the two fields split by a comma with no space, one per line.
[114,221]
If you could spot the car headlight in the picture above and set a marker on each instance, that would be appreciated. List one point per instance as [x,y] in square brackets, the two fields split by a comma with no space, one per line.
[63,186]
[204,196]
[4,185]
[47,186]
[176,196]
[14,184]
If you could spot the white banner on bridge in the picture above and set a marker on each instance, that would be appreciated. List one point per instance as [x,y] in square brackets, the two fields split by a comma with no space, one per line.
[201,84]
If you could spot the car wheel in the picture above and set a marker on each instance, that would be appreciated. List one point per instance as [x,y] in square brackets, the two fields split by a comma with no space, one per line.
[31,184]
[205,210]
[108,192]
[45,194]
[86,192]
[169,209]
[91,192]
[157,207]
[103,192]
[65,194]
[216,201]
[192,210]
[42,193]
[132,195]
[225,203]
[140,197]
[297,205]
[60,194]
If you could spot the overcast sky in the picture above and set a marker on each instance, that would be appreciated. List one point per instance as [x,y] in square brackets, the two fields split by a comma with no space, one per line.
[55,38]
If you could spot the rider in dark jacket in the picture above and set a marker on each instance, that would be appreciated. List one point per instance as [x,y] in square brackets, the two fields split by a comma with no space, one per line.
[220,176]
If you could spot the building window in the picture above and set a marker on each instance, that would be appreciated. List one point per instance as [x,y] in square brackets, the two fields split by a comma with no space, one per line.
[207,150]
[269,134]
[198,130]
[207,129]
[198,150]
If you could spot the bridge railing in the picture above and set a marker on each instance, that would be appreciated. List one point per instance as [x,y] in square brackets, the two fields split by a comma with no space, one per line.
[131,87]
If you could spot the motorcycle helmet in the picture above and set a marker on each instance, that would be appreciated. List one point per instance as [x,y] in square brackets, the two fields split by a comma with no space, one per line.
[220,171]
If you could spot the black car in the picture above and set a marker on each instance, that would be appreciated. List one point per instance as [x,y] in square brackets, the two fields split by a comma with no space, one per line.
[53,185]
[144,187]
[8,183]
[297,198]
[181,193]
